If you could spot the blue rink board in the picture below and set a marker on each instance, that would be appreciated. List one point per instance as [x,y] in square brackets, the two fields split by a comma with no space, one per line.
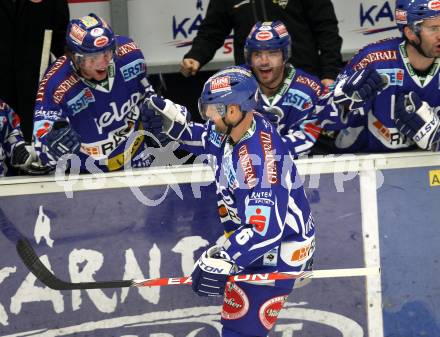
[409,224]
[165,240]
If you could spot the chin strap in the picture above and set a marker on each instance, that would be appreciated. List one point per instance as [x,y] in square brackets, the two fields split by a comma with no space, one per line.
[230,126]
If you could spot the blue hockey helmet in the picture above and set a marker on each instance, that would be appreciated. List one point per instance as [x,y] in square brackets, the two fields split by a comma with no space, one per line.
[270,35]
[232,85]
[89,34]
[412,12]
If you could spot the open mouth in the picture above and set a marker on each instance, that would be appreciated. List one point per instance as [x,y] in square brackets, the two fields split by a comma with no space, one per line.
[265,71]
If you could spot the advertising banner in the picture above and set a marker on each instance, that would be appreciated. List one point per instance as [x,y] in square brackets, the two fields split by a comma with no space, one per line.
[112,235]
[165,29]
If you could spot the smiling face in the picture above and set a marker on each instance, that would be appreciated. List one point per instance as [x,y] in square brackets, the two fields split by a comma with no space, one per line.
[268,67]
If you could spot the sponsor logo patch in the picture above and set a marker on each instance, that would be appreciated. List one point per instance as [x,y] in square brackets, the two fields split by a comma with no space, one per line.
[250,178]
[235,303]
[259,217]
[263,36]
[434,5]
[395,75]
[133,69]
[401,17]
[95,32]
[270,166]
[64,87]
[297,99]
[77,34]
[89,21]
[378,56]
[219,84]
[126,49]
[101,41]
[270,310]
[310,83]
[81,101]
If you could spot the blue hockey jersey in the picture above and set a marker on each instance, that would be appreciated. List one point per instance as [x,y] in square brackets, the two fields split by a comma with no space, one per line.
[10,134]
[261,201]
[371,127]
[104,116]
[295,104]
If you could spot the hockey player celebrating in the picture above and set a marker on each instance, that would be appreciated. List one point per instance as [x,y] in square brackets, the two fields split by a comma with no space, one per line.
[267,220]
[90,100]
[288,95]
[12,145]
[398,115]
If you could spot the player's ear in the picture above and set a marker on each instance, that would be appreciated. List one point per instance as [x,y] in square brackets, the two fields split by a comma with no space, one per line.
[410,34]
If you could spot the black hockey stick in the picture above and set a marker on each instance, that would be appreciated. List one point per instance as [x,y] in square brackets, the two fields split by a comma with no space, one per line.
[34,264]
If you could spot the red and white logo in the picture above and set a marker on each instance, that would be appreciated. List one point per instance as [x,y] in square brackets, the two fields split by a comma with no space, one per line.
[270,310]
[101,41]
[220,84]
[235,303]
[434,5]
[401,16]
[264,36]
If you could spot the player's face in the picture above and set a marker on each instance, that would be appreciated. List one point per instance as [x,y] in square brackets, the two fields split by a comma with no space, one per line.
[95,66]
[268,66]
[430,37]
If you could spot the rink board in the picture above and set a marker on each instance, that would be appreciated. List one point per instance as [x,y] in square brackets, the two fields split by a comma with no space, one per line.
[409,216]
[106,233]
[163,241]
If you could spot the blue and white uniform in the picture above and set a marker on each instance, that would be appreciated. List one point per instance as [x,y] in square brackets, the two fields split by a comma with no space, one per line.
[371,127]
[104,114]
[266,218]
[295,105]
[10,134]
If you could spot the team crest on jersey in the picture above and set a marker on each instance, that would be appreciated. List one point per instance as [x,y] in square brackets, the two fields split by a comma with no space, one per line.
[235,303]
[258,216]
[270,310]
[81,101]
[133,69]
[395,75]
[297,99]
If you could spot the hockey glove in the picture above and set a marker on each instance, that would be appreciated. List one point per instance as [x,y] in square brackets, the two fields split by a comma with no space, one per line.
[211,272]
[417,120]
[176,117]
[153,123]
[62,139]
[20,157]
[360,87]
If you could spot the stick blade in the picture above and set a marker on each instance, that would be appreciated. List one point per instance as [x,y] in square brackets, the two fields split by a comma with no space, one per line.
[34,264]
